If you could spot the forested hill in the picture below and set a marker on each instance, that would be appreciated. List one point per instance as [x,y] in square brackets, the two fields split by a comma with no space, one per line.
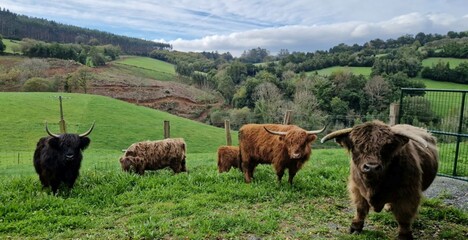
[15,26]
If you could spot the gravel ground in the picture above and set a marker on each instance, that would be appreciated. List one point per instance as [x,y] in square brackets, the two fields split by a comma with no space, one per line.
[451,191]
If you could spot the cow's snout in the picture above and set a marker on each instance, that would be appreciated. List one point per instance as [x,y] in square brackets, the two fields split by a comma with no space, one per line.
[371,168]
[69,156]
[295,155]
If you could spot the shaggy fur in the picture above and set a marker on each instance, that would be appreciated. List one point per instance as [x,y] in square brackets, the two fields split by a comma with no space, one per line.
[228,157]
[257,146]
[402,169]
[154,155]
[58,159]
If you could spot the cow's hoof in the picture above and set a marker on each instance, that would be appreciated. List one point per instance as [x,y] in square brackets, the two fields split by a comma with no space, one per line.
[388,207]
[406,236]
[356,227]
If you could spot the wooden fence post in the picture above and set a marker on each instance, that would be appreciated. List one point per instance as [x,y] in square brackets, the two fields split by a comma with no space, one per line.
[167,129]
[227,128]
[63,128]
[287,117]
[394,110]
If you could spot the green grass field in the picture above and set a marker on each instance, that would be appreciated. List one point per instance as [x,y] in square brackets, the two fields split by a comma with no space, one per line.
[454,62]
[442,85]
[118,124]
[201,204]
[152,68]
[366,71]
[10,44]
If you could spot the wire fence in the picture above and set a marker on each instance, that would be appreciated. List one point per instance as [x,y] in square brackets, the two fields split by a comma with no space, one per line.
[21,162]
[445,114]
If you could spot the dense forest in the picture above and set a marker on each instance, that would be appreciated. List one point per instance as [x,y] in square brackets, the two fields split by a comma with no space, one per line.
[259,86]
[15,26]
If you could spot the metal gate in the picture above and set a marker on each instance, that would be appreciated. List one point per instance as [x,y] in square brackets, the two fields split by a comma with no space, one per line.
[445,114]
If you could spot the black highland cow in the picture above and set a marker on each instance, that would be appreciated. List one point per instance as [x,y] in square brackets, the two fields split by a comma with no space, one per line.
[57,158]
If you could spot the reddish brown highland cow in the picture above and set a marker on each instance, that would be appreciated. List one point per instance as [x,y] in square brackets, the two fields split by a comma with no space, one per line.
[154,155]
[228,157]
[283,146]
[390,165]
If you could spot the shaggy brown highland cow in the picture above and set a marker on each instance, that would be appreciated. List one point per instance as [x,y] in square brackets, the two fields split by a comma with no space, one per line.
[390,165]
[283,146]
[228,157]
[154,155]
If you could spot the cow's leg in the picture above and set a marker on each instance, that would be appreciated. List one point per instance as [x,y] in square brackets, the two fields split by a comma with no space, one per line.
[362,209]
[70,178]
[54,184]
[292,172]
[404,213]
[70,182]
[140,170]
[44,177]
[177,168]
[248,169]
[44,180]
[183,168]
[280,173]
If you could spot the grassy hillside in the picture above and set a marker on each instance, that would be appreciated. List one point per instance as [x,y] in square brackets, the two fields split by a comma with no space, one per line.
[454,62]
[10,44]
[152,68]
[427,62]
[355,70]
[442,85]
[118,124]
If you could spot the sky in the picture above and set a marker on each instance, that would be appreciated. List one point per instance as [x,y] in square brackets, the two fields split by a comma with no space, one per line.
[238,25]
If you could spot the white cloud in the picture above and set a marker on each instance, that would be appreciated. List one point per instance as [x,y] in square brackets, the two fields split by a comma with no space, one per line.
[311,38]
[238,25]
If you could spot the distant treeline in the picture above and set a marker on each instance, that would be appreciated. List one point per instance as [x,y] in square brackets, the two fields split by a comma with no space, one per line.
[15,26]
[442,72]
[91,56]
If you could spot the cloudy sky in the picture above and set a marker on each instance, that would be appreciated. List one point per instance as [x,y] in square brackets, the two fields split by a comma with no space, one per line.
[238,25]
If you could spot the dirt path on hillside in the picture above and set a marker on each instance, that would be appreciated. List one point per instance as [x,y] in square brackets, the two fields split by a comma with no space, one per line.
[175,98]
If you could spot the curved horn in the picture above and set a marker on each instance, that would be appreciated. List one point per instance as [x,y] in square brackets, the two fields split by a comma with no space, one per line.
[48,131]
[317,131]
[88,132]
[413,137]
[275,133]
[336,134]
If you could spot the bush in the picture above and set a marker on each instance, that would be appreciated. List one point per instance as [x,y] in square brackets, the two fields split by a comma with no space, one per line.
[37,84]
[240,116]
[218,116]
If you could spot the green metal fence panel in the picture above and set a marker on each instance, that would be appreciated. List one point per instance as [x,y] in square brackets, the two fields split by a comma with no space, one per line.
[445,114]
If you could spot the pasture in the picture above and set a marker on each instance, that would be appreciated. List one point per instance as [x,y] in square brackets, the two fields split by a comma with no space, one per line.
[201,204]
[365,71]
[442,85]
[149,67]
[11,45]
[454,62]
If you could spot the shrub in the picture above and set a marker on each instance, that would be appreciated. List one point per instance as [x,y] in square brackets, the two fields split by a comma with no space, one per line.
[37,84]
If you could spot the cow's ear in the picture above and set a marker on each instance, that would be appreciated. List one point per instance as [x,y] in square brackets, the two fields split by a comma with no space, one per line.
[54,142]
[311,137]
[344,141]
[399,142]
[84,142]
